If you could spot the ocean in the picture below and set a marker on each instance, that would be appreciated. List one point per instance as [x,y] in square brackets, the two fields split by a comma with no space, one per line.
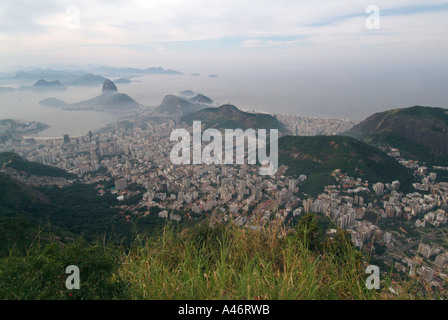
[322,93]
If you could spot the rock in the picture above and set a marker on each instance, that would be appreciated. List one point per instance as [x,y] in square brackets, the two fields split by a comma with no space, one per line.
[109,86]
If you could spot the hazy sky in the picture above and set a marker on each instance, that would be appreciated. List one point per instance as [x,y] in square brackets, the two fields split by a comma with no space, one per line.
[329,57]
[224,33]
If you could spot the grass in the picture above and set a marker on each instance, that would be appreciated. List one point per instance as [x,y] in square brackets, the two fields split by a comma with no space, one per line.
[204,262]
[230,263]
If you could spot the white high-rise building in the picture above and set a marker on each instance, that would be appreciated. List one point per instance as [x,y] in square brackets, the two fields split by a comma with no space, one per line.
[396,185]
[378,188]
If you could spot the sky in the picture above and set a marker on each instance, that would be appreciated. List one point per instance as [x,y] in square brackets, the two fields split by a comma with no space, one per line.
[356,55]
[225,33]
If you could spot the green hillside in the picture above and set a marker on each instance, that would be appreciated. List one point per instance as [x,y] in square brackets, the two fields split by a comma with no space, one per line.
[318,156]
[172,103]
[16,162]
[18,228]
[70,212]
[230,117]
[147,259]
[421,133]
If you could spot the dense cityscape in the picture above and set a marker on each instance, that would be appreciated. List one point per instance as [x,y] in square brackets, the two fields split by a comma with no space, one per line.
[213,156]
[404,231]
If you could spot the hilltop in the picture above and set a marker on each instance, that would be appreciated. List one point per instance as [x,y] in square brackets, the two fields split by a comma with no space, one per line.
[421,133]
[87,75]
[59,77]
[44,85]
[88,79]
[230,117]
[108,85]
[171,104]
[187,93]
[129,72]
[318,156]
[53,102]
[122,81]
[200,98]
[109,100]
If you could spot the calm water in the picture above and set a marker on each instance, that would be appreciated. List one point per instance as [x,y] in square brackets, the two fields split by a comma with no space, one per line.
[324,93]
[246,91]
[24,106]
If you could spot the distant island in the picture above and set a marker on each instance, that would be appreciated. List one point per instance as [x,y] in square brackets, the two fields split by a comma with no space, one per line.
[88,79]
[84,76]
[109,100]
[122,72]
[122,81]
[53,102]
[44,85]
[49,77]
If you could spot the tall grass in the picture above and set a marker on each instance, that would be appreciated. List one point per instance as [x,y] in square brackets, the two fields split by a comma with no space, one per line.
[229,263]
[204,262]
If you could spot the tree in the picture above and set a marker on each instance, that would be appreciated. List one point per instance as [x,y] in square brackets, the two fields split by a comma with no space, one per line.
[309,231]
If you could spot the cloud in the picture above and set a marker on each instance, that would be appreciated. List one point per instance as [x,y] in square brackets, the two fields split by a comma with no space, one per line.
[260,43]
[298,27]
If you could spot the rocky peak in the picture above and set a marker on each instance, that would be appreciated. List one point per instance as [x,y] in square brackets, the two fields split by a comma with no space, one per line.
[109,86]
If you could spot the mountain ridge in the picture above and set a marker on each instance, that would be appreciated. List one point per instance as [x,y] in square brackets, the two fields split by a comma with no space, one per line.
[171,104]
[421,133]
[318,156]
[109,100]
[230,117]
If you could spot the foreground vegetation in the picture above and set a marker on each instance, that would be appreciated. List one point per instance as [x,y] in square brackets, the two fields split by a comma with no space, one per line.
[199,263]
